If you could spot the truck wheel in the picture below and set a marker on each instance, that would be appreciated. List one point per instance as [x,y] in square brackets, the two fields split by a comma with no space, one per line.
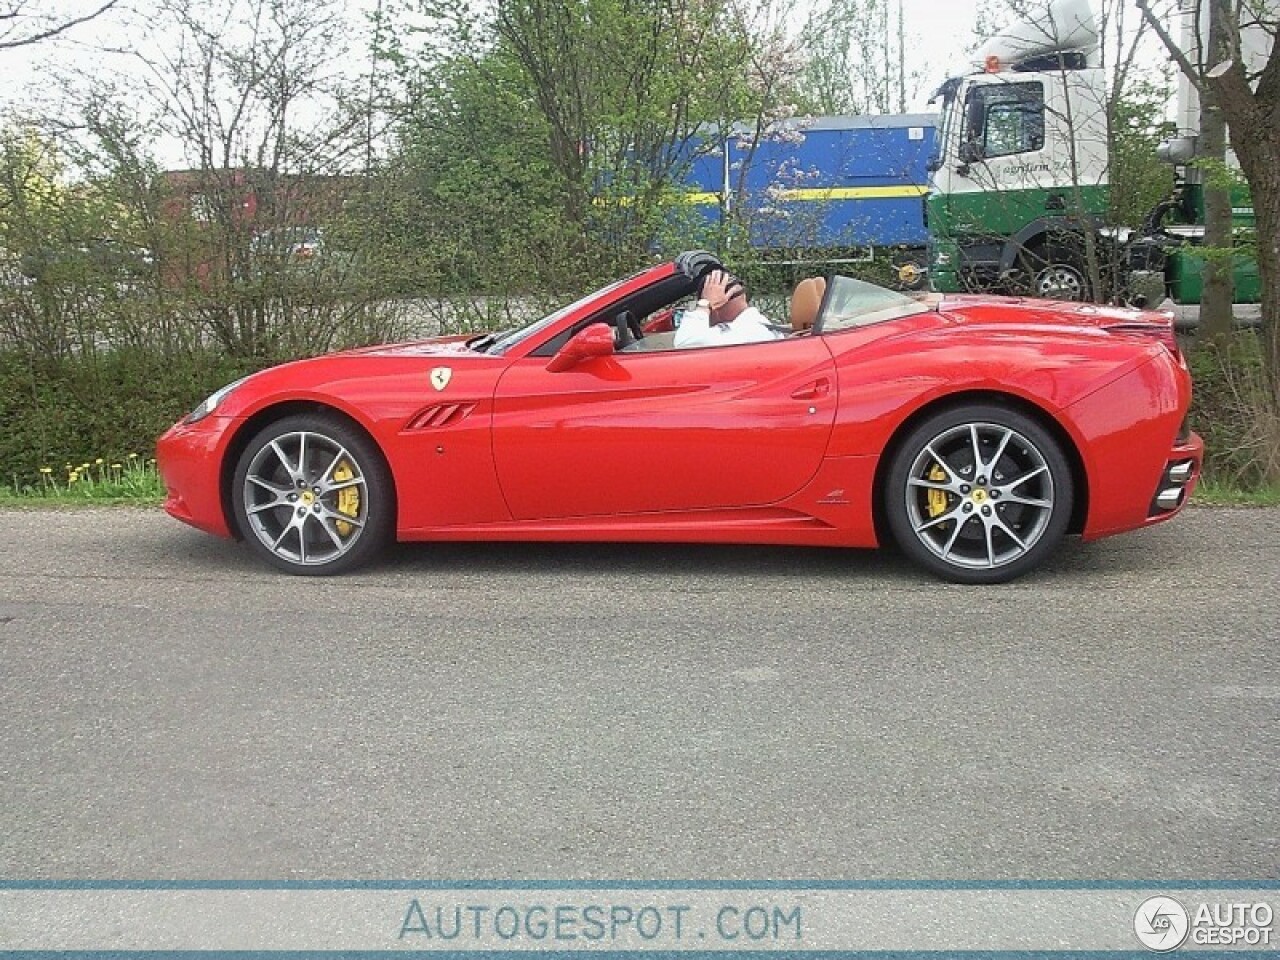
[1056,272]
[911,274]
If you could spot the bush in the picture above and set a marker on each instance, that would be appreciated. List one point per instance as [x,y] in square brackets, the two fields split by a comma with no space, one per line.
[109,405]
[1236,409]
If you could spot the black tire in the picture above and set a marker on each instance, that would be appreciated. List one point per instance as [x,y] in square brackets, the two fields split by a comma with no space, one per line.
[312,495]
[1055,270]
[988,517]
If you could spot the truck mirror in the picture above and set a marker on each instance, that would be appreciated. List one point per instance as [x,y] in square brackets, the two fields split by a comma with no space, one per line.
[969,152]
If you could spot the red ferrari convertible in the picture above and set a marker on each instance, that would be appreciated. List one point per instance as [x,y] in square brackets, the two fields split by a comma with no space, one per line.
[975,432]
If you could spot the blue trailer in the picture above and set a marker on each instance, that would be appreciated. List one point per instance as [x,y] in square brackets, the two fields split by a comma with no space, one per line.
[831,188]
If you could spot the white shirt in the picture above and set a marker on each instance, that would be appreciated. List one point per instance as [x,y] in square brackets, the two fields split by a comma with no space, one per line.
[696,330]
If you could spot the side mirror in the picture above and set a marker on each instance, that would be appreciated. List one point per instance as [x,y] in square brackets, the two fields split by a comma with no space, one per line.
[595,340]
[969,152]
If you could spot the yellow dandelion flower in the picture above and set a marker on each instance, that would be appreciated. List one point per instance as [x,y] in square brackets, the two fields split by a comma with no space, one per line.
[85,465]
[117,466]
[99,462]
[46,470]
[72,477]
[132,456]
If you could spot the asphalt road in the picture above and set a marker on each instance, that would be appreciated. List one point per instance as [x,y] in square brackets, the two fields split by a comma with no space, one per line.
[171,709]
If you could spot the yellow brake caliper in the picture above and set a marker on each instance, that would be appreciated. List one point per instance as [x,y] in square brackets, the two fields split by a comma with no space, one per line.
[349,497]
[937,499]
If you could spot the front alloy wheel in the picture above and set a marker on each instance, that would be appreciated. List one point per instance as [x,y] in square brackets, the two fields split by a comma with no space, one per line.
[980,494]
[312,496]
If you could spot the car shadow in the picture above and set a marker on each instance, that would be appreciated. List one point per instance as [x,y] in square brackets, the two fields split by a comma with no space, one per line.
[664,559]
[211,557]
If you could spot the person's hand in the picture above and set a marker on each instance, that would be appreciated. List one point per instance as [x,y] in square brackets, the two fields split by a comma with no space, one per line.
[714,289]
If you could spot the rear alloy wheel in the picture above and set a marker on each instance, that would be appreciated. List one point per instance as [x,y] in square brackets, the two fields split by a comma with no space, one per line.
[312,495]
[979,494]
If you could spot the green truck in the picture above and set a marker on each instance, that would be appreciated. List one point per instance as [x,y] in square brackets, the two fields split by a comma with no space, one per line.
[1019,180]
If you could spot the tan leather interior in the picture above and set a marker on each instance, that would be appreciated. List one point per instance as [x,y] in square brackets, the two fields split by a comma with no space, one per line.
[806,300]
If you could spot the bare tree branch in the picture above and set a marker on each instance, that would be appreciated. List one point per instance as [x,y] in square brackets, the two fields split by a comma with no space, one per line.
[1189,69]
[14,14]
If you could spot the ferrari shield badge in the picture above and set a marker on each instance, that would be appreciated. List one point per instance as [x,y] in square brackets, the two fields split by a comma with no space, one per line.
[440,377]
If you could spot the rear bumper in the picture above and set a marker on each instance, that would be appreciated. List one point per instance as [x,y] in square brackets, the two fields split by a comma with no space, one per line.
[1165,496]
[1137,447]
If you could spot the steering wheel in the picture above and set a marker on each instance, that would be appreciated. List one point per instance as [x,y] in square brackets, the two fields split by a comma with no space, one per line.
[626,329]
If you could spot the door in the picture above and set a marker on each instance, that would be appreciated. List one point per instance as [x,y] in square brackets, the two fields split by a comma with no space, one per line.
[1005,179]
[675,430]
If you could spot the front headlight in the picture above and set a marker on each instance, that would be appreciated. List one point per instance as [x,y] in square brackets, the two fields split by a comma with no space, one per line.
[211,402]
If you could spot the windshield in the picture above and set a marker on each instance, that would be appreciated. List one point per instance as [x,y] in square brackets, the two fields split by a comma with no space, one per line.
[856,303]
[506,341]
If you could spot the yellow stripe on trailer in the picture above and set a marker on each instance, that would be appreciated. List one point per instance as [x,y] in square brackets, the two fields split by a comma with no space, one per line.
[824,194]
[821,194]
[698,197]
[854,193]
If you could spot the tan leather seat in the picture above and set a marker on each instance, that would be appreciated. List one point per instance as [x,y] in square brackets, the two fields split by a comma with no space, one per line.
[806,300]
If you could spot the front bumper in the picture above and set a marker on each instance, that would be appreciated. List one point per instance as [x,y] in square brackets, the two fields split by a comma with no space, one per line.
[190,457]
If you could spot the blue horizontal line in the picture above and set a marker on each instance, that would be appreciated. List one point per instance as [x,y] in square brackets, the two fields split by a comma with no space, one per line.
[617,955]
[708,885]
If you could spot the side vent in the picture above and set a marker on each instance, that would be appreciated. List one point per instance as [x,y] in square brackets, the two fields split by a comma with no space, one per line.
[439,415]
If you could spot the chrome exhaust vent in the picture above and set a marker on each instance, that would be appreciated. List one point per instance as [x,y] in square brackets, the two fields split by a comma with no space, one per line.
[1173,487]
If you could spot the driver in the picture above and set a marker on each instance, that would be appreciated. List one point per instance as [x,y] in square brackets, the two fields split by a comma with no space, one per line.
[723,316]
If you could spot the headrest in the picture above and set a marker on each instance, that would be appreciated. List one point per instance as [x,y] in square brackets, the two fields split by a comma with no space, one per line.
[806,300]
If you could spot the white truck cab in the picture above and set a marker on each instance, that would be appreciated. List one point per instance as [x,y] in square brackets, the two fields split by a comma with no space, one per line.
[1020,172]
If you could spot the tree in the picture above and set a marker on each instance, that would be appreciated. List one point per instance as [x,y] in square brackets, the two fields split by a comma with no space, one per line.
[27,22]
[625,95]
[856,59]
[1234,67]
[271,127]
[627,86]
[1239,74]
[1138,179]
[69,248]
[471,201]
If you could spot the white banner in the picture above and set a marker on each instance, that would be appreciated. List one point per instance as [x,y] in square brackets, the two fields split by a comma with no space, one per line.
[667,918]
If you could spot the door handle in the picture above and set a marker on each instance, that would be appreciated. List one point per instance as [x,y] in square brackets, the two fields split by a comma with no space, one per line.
[812,391]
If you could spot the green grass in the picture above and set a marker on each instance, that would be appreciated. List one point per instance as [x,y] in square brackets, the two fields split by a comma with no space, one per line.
[1218,494]
[130,480]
